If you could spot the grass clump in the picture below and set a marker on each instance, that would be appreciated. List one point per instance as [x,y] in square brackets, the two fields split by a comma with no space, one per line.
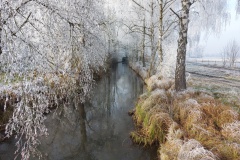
[189,125]
[152,119]
[231,131]
[229,151]
[169,150]
[193,150]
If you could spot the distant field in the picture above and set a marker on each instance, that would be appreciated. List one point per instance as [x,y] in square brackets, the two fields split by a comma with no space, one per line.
[215,75]
[211,61]
[224,83]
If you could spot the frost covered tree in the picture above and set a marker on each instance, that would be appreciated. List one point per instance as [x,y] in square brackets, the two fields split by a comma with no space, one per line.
[136,26]
[156,26]
[232,52]
[180,77]
[50,50]
[211,19]
[166,23]
[224,57]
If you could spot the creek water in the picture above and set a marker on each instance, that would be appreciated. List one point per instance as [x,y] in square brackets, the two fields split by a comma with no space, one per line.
[97,130]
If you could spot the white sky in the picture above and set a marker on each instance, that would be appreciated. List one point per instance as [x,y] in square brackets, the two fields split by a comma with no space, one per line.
[215,43]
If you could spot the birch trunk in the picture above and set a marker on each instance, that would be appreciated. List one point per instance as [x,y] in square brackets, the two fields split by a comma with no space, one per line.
[143,43]
[160,50]
[153,52]
[1,25]
[180,77]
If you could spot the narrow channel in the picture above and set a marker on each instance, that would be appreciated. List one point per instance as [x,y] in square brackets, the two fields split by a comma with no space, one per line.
[97,130]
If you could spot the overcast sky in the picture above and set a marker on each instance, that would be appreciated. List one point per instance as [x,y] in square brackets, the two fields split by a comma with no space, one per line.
[215,43]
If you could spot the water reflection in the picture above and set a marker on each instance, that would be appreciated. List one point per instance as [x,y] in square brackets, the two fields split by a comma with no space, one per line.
[98,129]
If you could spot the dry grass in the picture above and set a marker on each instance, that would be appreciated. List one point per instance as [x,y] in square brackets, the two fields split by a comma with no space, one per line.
[229,151]
[155,82]
[152,115]
[231,131]
[228,95]
[170,149]
[190,125]
[193,150]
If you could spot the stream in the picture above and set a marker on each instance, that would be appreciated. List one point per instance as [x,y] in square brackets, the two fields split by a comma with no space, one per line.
[97,130]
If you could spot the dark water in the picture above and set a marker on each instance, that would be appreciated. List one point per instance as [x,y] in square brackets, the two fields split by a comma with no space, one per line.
[97,130]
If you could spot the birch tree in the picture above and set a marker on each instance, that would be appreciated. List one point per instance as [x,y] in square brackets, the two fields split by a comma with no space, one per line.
[136,27]
[180,77]
[166,24]
[158,27]
[212,23]
[153,38]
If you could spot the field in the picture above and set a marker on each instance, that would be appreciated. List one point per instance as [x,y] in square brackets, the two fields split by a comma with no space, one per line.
[223,83]
[212,61]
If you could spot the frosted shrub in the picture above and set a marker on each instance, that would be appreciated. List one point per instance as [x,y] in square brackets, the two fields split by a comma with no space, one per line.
[28,118]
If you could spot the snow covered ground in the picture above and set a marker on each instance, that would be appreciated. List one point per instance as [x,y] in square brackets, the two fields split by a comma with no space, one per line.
[223,83]
[223,76]
[213,61]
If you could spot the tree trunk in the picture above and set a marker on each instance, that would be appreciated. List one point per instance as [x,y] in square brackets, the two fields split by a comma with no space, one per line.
[160,50]
[82,123]
[153,51]
[238,7]
[143,43]
[180,77]
[1,25]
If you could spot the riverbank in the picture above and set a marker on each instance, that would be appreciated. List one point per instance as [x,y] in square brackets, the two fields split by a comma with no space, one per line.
[193,124]
[42,92]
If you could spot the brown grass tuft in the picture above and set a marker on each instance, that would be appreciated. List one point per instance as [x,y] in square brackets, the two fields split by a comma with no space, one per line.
[193,150]
[155,82]
[231,131]
[169,150]
[229,151]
